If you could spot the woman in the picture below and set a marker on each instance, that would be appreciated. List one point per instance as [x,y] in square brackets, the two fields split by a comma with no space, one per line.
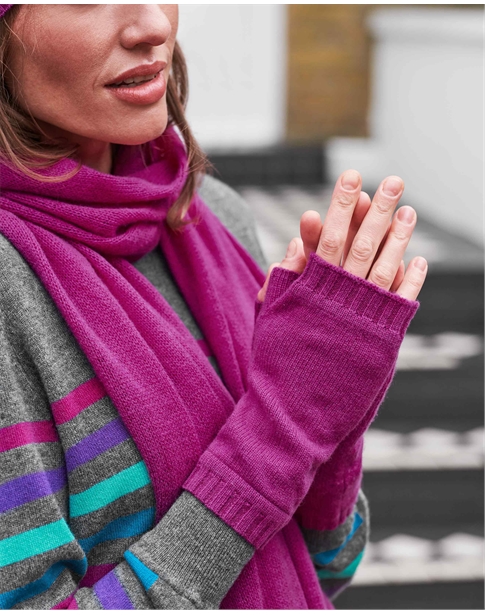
[177,430]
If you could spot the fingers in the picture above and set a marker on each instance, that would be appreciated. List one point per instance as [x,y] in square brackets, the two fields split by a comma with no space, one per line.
[310,229]
[294,260]
[362,236]
[414,278]
[339,215]
[385,267]
[311,225]
[372,230]
[360,212]
[399,278]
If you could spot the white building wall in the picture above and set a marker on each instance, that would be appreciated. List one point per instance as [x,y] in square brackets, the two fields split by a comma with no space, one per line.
[236,56]
[426,118]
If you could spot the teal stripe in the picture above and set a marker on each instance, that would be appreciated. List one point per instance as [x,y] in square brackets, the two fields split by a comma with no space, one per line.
[121,527]
[326,557]
[9,599]
[343,574]
[146,576]
[109,490]
[34,542]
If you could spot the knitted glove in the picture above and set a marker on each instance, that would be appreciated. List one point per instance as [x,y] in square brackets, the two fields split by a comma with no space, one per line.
[322,350]
[335,488]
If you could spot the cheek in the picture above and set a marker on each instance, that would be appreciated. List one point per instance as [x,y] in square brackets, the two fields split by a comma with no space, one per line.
[64,61]
[57,63]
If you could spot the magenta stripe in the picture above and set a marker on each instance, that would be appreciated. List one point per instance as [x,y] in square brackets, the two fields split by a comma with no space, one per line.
[205,347]
[96,443]
[65,604]
[73,606]
[26,433]
[111,594]
[77,400]
[31,487]
[95,573]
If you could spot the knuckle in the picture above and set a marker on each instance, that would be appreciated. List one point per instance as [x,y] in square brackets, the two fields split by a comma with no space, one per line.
[331,242]
[382,275]
[401,235]
[415,282]
[345,201]
[362,249]
[383,206]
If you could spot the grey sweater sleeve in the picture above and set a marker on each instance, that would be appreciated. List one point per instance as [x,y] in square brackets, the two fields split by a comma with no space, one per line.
[337,553]
[189,559]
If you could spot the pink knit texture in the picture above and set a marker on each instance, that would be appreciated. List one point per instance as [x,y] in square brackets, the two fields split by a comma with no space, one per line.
[248,446]
[324,349]
[4,8]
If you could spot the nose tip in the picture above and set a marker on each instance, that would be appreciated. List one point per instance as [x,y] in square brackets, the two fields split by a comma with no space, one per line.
[150,25]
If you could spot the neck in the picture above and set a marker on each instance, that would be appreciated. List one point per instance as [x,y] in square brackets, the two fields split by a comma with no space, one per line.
[92,152]
[97,155]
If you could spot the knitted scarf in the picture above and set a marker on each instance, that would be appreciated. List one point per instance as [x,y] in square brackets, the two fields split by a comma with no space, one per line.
[81,237]
[4,8]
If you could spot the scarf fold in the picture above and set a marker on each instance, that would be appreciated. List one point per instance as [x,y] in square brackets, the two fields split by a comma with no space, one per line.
[81,238]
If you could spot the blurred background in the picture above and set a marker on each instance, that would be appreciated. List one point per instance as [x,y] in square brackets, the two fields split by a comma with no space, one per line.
[286,97]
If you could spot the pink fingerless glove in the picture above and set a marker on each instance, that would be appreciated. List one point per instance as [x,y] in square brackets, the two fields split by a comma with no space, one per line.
[335,488]
[324,346]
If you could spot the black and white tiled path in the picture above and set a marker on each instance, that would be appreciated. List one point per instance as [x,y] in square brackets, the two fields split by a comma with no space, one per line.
[424,454]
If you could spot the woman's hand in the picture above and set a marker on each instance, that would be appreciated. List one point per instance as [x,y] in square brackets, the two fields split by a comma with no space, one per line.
[361,236]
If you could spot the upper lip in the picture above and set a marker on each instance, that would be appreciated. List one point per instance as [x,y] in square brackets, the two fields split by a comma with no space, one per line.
[139,71]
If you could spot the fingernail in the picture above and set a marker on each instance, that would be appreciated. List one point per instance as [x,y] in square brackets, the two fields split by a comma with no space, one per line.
[405,214]
[350,180]
[291,251]
[420,263]
[392,186]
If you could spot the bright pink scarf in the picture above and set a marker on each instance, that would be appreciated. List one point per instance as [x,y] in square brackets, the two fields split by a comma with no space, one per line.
[79,237]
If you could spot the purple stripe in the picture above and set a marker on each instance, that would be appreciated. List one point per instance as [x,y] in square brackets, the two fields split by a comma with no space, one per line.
[30,487]
[111,594]
[96,443]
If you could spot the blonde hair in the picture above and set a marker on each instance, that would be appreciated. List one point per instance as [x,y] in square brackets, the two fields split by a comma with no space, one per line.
[25,146]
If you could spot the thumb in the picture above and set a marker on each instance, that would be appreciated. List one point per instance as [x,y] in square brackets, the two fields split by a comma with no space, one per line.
[295,260]
[262,291]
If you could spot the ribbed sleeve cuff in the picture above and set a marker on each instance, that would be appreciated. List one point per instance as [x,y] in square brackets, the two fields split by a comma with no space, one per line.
[218,487]
[357,295]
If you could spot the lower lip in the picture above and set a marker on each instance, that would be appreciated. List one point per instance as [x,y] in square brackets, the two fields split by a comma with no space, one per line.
[143,94]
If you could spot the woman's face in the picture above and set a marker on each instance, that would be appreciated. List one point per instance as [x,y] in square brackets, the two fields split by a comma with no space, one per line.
[63,55]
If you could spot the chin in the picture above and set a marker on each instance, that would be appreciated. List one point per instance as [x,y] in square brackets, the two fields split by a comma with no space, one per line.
[141,133]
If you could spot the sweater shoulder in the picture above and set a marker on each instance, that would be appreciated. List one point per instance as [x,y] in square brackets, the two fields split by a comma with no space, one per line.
[21,290]
[10,260]
[33,330]
[16,276]
[234,213]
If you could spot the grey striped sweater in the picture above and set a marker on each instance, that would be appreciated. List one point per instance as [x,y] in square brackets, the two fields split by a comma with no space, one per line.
[76,503]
